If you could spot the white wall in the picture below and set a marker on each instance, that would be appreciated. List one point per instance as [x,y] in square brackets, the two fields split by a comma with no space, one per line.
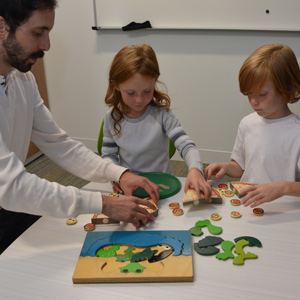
[200,69]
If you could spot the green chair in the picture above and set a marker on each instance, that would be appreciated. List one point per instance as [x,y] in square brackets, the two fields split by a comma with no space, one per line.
[172,148]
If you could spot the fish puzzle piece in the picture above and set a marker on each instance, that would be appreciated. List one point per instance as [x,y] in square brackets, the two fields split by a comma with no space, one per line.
[206,245]
[239,260]
[251,240]
[192,197]
[227,248]
[213,229]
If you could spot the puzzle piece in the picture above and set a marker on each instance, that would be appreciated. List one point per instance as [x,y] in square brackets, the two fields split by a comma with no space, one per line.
[227,248]
[103,219]
[213,229]
[143,255]
[210,250]
[132,267]
[110,252]
[251,240]
[192,197]
[238,186]
[206,245]
[239,260]
[126,256]
[210,241]
[196,231]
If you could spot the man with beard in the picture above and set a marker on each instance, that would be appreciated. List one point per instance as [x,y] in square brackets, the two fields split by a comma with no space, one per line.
[24,36]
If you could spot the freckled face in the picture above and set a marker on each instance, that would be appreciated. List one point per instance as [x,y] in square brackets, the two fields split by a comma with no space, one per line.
[137,93]
[268,104]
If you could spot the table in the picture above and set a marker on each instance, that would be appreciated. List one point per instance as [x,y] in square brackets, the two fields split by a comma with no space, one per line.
[40,264]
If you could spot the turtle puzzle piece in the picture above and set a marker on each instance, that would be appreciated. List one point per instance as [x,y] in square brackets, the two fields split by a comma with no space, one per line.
[239,260]
[227,248]
[213,229]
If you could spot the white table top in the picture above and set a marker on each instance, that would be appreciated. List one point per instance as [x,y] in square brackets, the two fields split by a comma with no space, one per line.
[40,264]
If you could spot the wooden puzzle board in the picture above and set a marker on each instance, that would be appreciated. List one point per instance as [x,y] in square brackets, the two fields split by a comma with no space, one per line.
[135,256]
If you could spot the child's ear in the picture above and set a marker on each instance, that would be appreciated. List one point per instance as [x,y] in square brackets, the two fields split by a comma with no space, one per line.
[114,85]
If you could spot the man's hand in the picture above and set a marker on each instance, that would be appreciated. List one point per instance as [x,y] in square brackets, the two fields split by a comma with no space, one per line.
[129,182]
[127,209]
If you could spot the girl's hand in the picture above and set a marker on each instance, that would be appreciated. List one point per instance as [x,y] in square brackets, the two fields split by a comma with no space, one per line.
[217,169]
[196,180]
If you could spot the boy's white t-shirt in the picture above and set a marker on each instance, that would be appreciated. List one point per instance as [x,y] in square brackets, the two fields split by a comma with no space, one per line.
[268,150]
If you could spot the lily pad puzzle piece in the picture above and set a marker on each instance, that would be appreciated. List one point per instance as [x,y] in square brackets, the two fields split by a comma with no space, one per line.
[109,252]
[206,245]
[239,260]
[210,250]
[213,229]
[210,241]
[196,231]
[252,241]
[128,253]
[227,248]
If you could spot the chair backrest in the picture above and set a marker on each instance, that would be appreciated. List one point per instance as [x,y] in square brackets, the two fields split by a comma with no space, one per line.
[172,148]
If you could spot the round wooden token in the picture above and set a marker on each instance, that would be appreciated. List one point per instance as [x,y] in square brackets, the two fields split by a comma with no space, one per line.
[174,205]
[89,227]
[235,214]
[228,193]
[113,195]
[223,186]
[71,221]
[215,217]
[258,211]
[177,212]
[235,202]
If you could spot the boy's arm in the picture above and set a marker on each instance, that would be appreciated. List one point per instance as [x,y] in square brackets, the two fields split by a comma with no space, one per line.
[231,169]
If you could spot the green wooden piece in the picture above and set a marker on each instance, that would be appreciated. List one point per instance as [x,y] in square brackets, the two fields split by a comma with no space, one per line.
[196,231]
[110,252]
[227,248]
[210,250]
[210,241]
[213,229]
[126,256]
[132,267]
[251,240]
[143,255]
[239,260]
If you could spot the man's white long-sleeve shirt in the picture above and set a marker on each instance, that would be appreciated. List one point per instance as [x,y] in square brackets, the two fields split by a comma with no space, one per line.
[24,117]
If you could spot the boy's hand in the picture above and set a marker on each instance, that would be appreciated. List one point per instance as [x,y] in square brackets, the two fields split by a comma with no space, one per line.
[261,193]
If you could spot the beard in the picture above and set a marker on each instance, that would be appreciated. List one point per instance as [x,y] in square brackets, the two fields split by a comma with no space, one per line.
[16,56]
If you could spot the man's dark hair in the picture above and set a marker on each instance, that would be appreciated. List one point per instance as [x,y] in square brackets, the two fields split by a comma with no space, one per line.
[17,12]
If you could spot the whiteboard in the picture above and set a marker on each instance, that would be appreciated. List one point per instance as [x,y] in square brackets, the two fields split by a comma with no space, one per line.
[277,15]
